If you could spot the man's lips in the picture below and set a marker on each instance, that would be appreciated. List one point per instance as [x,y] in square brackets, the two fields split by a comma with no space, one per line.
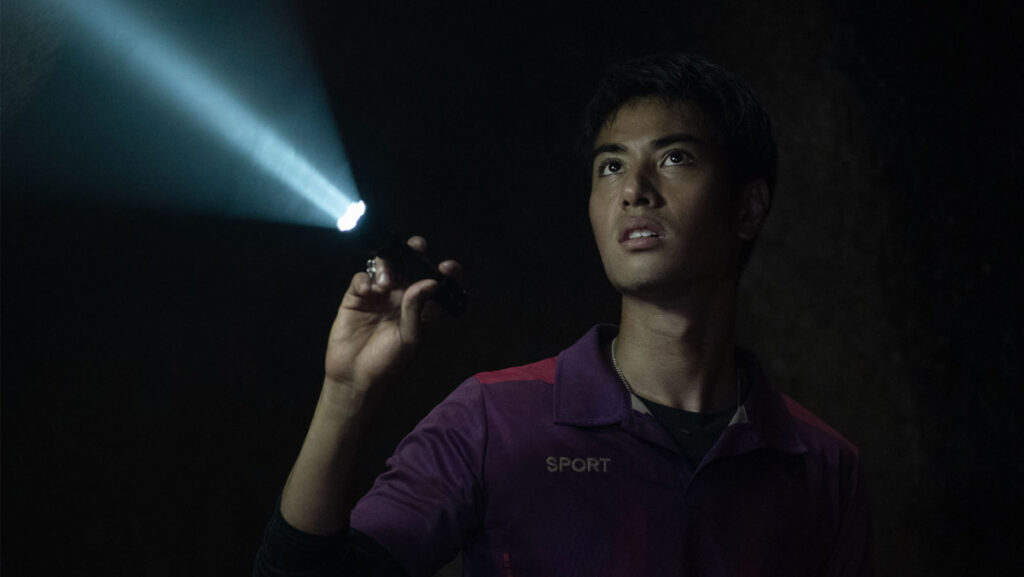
[638,230]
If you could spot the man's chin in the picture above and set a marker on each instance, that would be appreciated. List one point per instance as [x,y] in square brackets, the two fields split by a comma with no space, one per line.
[665,288]
[648,287]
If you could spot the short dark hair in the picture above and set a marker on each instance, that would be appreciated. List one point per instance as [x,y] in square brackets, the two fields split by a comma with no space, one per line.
[723,98]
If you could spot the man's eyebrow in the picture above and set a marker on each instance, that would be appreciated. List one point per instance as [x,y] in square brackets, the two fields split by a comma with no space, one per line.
[677,138]
[662,142]
[606,148]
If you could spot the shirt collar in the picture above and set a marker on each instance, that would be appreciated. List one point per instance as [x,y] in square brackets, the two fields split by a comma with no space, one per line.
[588,393]
[765,409]
[587,390]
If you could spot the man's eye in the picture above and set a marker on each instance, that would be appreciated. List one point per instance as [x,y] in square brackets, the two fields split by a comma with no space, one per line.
[609,167]
[677,157]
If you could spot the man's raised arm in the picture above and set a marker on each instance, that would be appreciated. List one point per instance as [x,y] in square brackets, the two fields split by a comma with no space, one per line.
[372,340]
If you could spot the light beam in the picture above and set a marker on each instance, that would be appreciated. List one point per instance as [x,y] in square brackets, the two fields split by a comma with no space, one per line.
[214,106]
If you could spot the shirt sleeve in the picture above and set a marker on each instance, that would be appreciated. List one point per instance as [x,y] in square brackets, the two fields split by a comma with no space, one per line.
[852,554]
[427,504]
[289,552]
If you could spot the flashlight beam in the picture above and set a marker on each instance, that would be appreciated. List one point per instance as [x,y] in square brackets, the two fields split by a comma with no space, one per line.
[212,104]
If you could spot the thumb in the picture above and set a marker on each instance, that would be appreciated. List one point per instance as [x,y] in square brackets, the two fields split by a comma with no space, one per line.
[413,301]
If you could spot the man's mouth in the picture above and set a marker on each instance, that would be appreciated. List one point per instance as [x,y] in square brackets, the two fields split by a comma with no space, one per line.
[641,228]
[641,234]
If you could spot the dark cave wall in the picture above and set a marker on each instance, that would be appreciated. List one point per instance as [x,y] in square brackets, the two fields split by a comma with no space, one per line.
[159,369]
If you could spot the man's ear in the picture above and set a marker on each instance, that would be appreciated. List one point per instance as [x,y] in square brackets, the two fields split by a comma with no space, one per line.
[755,200]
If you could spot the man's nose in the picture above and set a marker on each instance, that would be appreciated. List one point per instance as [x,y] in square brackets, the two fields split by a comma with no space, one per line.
[640,189]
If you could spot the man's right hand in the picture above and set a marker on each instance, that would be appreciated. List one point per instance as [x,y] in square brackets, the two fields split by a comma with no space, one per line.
[374,337]
[377,329]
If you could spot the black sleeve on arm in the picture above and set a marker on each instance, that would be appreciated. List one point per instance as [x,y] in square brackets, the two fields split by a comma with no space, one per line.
[289,552]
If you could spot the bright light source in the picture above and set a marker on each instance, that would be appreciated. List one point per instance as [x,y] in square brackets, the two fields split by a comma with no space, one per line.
[349,220]
[215,107]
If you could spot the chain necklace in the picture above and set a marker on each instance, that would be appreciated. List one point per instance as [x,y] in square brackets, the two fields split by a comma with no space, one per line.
[629,389]
[618,371]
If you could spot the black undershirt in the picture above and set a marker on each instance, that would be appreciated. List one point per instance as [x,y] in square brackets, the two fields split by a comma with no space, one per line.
[695,433]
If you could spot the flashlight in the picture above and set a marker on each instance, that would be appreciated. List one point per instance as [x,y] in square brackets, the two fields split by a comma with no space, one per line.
[409,265]
[347,221]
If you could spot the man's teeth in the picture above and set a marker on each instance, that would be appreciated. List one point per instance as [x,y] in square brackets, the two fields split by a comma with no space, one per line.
[641,234]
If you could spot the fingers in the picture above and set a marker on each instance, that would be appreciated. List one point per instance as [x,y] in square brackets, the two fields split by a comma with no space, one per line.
[450,268]
[386,282]
[431,310]
[418,243]
[413,303]
[382,275]
[360,285]
[366,288]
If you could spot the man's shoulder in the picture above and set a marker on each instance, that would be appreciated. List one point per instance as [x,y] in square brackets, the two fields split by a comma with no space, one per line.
[585,352]
[514,391]
[540,371]
[815,432]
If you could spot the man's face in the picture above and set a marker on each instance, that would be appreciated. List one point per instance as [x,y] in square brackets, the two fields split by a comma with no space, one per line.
[661,205]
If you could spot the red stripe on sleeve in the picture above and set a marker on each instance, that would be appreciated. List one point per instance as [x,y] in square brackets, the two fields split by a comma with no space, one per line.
[539,371]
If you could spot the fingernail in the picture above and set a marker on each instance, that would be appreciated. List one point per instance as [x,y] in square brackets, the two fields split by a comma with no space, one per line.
[382,278]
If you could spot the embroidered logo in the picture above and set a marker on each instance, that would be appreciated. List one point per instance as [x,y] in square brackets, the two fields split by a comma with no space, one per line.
[578,464]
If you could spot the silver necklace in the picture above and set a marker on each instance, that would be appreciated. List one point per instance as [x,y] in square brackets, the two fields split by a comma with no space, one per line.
[629,389]
[618,371]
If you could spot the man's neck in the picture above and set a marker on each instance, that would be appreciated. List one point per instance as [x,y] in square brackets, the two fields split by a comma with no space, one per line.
[681,354]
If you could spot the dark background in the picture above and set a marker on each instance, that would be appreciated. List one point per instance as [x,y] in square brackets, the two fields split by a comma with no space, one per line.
[160,367]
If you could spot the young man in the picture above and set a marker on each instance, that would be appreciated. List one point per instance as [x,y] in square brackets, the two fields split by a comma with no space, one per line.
[651,448]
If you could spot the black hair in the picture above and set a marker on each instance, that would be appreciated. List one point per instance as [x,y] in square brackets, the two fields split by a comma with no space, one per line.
[721,96]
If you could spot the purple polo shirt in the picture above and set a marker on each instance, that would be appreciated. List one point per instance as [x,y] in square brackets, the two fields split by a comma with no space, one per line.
[553,469]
